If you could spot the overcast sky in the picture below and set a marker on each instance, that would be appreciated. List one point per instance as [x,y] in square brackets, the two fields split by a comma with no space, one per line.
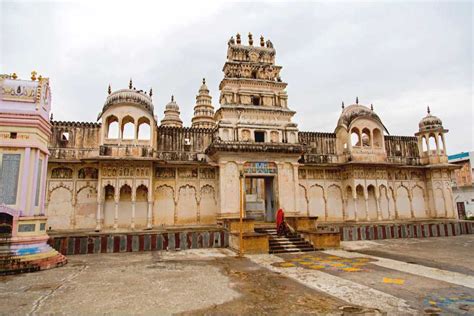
[400,56]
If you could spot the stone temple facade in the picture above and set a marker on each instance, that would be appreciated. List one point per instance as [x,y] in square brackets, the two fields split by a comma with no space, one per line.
[129,171]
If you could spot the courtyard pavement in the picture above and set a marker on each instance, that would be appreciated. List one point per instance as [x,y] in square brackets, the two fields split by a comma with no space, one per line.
[395,277]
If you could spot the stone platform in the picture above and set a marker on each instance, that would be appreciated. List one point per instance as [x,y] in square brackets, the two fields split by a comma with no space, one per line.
[75,243]
[393,230]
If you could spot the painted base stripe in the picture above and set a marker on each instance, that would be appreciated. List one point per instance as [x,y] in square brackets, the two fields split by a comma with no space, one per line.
[348,291]
[416,269]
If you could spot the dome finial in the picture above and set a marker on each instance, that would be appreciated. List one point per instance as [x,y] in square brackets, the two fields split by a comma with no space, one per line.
[130,84]
[343,105]
[371,106]
[238,38]
[151,92]
[172,98]
[203,80]
[51,117]
[109,90]
[250,39]
[357,100]
[428,109]
[262,41]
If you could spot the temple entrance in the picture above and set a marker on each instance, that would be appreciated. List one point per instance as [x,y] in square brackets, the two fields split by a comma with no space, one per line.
[259,198]
[6,224]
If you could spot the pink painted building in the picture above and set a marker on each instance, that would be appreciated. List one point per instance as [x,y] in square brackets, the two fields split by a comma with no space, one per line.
[24,132]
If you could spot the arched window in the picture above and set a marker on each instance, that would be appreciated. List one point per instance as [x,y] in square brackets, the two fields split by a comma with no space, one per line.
[255,100]
[112,127]
[424,144]
[355,137]
[366,137]
[378,139]
[144,128]
[432,142]
[128,128]
[440,144]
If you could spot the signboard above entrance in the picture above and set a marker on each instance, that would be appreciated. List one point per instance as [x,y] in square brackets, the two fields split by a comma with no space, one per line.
[260,168]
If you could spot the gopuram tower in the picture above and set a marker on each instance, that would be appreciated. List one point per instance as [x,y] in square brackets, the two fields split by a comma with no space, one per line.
[256,141]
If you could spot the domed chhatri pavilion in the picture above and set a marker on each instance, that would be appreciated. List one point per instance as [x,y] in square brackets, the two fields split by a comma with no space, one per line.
[131,170]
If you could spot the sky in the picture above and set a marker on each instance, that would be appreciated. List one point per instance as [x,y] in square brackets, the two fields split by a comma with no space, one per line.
[399,56]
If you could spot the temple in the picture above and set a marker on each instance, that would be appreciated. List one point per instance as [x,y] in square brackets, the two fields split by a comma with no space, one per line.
[24,132]
[131,170]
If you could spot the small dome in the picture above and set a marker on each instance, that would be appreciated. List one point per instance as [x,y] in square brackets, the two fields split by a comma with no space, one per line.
[430,122]
[171,118]
[129,96]
[355,111]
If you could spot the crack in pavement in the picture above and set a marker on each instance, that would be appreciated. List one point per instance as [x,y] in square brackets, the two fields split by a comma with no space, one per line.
[39,302]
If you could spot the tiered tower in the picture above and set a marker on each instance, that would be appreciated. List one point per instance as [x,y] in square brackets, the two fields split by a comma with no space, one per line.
[253,98]
[203,111]
[172,118]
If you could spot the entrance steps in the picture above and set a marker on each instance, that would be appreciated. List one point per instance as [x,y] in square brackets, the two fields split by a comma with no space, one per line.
[285,244]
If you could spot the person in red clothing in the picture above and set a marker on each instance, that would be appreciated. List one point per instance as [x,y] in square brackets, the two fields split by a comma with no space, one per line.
[280,223]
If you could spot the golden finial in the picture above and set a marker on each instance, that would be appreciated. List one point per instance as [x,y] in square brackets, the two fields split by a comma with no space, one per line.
[151,92]
[130,84]
[109,90]
[238,39]
[14,76]
[428,109]
[250,39]
[33,75]
[262,41]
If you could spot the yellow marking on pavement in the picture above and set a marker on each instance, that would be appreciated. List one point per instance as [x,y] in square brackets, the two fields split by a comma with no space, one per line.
[306,263]
[351,269]
[393,281]
[317,267]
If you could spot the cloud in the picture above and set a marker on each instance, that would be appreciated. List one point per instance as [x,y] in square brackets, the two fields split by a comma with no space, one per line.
[399,56]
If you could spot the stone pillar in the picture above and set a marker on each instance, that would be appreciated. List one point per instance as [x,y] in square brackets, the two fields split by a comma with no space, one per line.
[43,189]
[344,216]
[149,217]
[367,218]
[356,216]
[24,180]
[379,213]
[132,224]
[116,213]
[98,215]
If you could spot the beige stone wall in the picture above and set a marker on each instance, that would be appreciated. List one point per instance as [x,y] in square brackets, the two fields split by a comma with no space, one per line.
[185,195]
[363,194]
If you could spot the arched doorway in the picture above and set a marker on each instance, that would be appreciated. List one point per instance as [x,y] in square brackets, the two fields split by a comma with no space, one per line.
[6,225]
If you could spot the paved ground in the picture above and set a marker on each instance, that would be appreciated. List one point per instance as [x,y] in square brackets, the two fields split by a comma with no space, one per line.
[409,276]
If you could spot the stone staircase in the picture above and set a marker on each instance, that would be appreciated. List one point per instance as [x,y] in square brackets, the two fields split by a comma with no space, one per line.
[282,244]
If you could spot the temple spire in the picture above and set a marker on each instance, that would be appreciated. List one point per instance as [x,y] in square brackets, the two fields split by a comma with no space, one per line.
[203,110]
